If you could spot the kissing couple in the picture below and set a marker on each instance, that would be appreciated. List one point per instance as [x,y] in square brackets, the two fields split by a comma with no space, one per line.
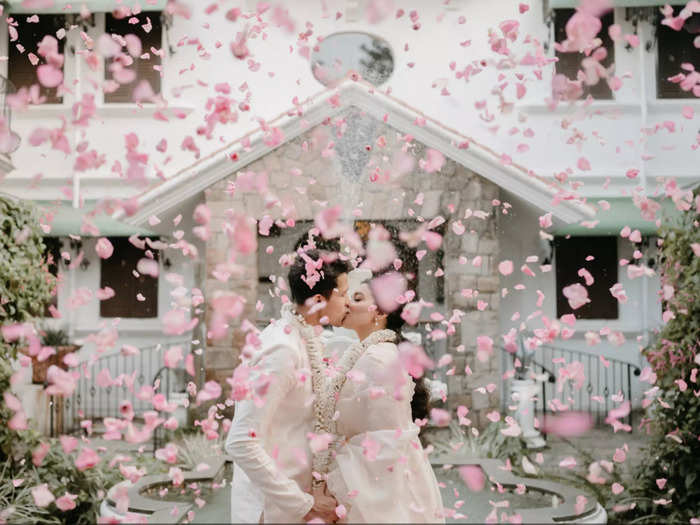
[329,436]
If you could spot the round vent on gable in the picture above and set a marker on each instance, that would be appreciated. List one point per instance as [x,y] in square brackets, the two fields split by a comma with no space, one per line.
[341,54]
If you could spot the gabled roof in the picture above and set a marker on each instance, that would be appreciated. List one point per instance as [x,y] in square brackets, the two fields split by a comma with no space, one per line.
[476,157]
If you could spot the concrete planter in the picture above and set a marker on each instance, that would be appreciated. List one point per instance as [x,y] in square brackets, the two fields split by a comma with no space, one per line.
[526,389]
[161,511]
[180,413]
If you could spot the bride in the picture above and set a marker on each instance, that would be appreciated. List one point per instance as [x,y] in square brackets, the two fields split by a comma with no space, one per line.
[376,467]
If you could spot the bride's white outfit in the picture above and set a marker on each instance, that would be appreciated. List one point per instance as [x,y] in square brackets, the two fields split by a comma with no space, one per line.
[380,472]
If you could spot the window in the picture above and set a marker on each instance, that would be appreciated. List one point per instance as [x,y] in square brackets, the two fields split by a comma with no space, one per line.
[676,48]
[20,70]
[570,63]
[570,255]
[117,273]
[142,67]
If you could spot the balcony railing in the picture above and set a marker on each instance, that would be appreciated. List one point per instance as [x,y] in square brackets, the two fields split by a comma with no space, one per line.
[93,402]
[607,382]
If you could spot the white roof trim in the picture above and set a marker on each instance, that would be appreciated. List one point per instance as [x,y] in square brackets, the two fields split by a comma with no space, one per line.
[480,159]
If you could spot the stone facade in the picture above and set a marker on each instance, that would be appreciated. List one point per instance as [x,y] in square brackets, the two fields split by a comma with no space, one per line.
[451,192]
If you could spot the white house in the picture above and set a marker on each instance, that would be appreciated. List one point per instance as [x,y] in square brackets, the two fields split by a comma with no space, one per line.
[470,79]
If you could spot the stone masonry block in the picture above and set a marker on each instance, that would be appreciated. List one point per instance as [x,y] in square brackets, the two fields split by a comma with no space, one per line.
[479,401]
[455,386]
[487,246]
[221,358]
[431,204]
[474,189]
[470,243]
[487,283]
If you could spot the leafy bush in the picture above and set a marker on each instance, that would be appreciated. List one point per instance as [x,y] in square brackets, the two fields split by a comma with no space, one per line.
[675,421]
[57,470]
[25,280]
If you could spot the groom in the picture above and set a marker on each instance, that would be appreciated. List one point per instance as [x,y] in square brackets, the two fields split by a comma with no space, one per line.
[268,439]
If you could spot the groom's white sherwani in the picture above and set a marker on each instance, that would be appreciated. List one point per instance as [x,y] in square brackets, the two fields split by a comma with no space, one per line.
[269,443]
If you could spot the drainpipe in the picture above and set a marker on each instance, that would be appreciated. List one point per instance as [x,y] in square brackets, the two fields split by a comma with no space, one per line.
[75,203]
[642,170]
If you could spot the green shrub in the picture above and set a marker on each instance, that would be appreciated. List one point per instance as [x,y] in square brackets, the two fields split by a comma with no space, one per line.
[674,451]
[25,280]
[57,470]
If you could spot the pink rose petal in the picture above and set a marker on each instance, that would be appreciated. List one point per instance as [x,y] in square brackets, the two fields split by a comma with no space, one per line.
[473,477]
[87,459]
[104,248]
[505,267]
[387,289]
[66,502]
[577,295]
[49,76]
[42,495]
[434,161]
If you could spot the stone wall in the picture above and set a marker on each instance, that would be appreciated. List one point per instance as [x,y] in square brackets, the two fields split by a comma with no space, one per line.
[450,193]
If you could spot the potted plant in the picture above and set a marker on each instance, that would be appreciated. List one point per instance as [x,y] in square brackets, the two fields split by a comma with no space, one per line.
[58,340]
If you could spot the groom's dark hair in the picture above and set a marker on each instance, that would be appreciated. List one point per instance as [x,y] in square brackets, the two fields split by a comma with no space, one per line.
[331,268]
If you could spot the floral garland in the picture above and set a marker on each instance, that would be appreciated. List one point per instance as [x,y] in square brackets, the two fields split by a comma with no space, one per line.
[329,396]
[314,350]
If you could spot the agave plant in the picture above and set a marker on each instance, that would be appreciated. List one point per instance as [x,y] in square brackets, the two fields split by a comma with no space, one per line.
[196,449]
[470,444]
[54,337]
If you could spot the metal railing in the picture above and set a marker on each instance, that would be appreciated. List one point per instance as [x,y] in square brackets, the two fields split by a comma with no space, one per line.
[90,401]
[603,378]
[166,381]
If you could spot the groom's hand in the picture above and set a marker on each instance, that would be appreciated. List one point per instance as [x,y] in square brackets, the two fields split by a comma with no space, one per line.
[324,507]
[315,517]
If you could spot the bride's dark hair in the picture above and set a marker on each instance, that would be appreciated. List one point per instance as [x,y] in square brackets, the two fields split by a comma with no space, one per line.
[420,403]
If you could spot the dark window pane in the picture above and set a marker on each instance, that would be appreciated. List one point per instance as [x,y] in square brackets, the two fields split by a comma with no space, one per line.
[20,70]
[116,272]
[674,49]
[142,67]
[570,255]
[570,63]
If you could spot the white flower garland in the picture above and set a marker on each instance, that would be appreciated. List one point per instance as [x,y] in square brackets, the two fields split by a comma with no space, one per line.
[314,350]
[329,396]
